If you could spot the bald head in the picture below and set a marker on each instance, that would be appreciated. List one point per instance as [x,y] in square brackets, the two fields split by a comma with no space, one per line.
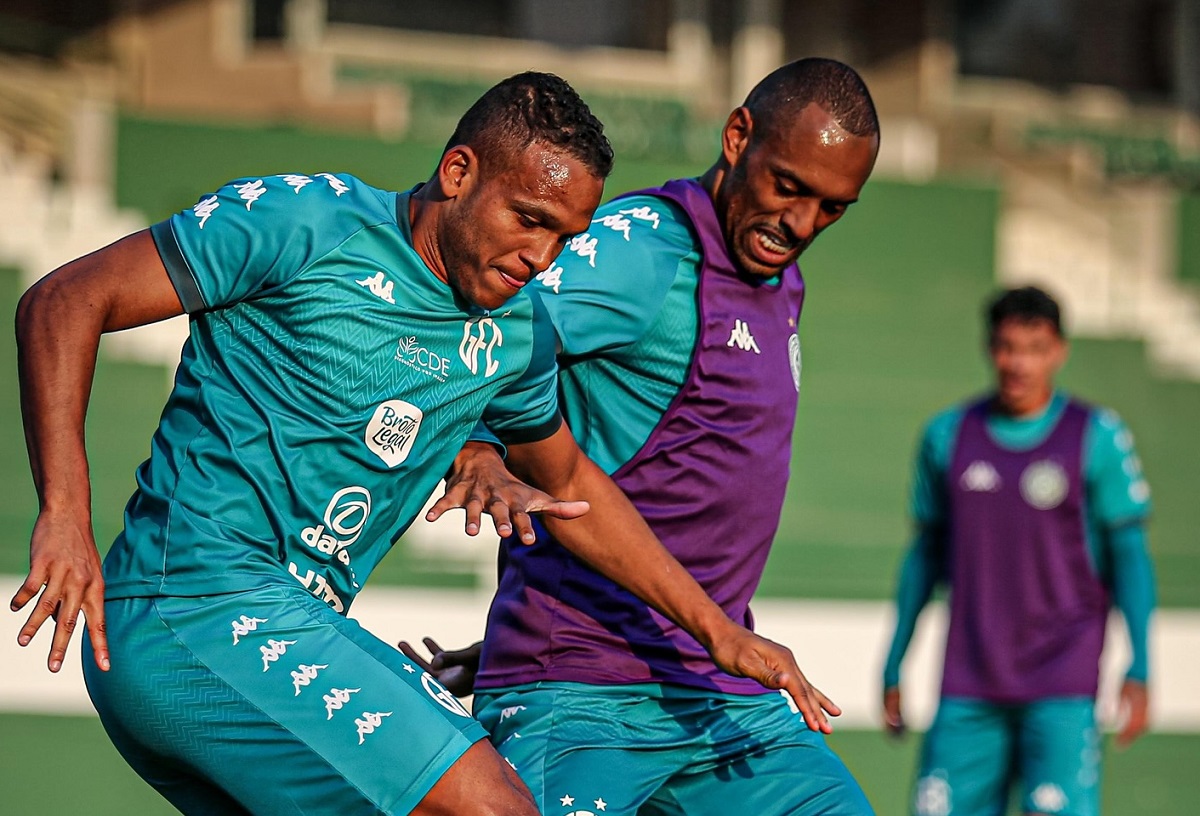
[777,101]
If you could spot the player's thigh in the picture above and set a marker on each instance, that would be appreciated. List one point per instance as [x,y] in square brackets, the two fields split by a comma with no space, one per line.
[279,702]
[582,749]
[1059,756]
[966,760]
[754,754]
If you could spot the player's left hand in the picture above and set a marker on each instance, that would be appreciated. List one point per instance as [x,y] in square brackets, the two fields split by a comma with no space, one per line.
[479,483]
[1134,712]
[745,654]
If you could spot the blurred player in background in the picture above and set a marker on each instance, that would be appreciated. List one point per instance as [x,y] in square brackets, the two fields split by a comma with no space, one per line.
[676,315]
[1031,507]
[344,342]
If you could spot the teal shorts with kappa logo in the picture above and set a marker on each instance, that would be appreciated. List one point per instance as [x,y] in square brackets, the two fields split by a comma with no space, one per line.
[976,751]
[270,702]
[658,750]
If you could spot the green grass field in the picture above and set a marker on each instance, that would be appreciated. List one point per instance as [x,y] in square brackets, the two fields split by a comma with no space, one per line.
[66,765]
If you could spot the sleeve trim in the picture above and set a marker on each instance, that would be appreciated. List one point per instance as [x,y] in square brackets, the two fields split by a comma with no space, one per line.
[178,270]
[535,433]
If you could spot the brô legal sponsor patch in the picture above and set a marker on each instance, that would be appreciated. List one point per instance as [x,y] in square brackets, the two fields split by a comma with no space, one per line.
[393,430]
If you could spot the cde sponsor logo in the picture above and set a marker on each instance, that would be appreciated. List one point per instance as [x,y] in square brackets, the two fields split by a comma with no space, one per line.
[392,431]
[412,354]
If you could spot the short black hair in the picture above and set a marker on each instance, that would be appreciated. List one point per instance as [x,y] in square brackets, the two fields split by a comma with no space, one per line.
[778,99]
[1026,304]
[534,107]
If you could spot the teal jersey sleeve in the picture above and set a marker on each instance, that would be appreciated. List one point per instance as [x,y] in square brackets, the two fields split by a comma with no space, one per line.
[608,285]
[1116,487]
[1133,591]
[918,577]
[255,234]
[928,501]
[527,409]
[1118,504]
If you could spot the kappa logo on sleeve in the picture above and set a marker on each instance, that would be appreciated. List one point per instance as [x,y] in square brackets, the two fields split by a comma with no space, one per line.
[393,430]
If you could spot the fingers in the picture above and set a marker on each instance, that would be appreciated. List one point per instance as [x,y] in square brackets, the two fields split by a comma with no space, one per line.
[93,612]
[412,655]
[565,510]
[806,700]
[893,719]
[33,583]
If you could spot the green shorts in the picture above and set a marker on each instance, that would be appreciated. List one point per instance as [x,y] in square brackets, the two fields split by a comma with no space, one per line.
[655,750]
[269,702]
[975,751]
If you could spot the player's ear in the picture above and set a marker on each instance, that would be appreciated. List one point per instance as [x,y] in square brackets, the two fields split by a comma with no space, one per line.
[457,170]
[735,138]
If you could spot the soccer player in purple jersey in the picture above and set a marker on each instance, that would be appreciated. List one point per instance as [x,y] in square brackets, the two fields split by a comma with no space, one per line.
[676,316]
[1030,506]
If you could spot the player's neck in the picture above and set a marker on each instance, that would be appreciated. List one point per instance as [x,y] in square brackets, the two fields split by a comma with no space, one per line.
[423,218]
[1024,409]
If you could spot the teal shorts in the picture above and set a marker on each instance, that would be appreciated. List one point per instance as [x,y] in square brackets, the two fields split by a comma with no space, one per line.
[976,751]
[658,750]
[270,702]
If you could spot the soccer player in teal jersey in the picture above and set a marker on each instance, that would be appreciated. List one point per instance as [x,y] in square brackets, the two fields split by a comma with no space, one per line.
[344,342]
[1031,506]
[677,319]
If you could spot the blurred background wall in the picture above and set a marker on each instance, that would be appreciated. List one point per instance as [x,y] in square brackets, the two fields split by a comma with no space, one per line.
[1055,142]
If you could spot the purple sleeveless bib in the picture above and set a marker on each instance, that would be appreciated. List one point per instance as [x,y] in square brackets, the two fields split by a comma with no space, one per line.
[710,481]
[1027,611]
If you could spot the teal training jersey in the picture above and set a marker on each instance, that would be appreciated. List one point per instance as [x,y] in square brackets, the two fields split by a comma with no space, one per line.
[622,298]
[328,382]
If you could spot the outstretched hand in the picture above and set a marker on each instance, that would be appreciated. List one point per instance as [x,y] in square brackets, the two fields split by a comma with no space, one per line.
[479,483]
[745,654]
[455,670]
[64,567]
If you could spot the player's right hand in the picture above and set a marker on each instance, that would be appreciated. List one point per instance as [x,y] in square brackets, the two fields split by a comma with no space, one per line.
[893,718]
[64,567]
[742,653]
[479,483]
[455,670]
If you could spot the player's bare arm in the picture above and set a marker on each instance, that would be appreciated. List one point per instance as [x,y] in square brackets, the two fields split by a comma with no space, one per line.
[59,322]
[615,541]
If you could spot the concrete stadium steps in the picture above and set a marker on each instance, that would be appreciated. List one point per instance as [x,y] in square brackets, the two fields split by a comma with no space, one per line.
[840,647]
[1109,254]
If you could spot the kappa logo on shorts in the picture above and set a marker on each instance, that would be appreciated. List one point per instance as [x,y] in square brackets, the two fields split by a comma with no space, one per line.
[244,626]
[336,698]
[934,796]
[368,722]
[274,650]
[1049,798]
[442,695]
[393,430]
[304,675]
[511,711]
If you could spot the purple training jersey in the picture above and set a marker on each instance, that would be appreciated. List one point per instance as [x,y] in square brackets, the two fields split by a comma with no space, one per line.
[1027,611]
[710,481]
